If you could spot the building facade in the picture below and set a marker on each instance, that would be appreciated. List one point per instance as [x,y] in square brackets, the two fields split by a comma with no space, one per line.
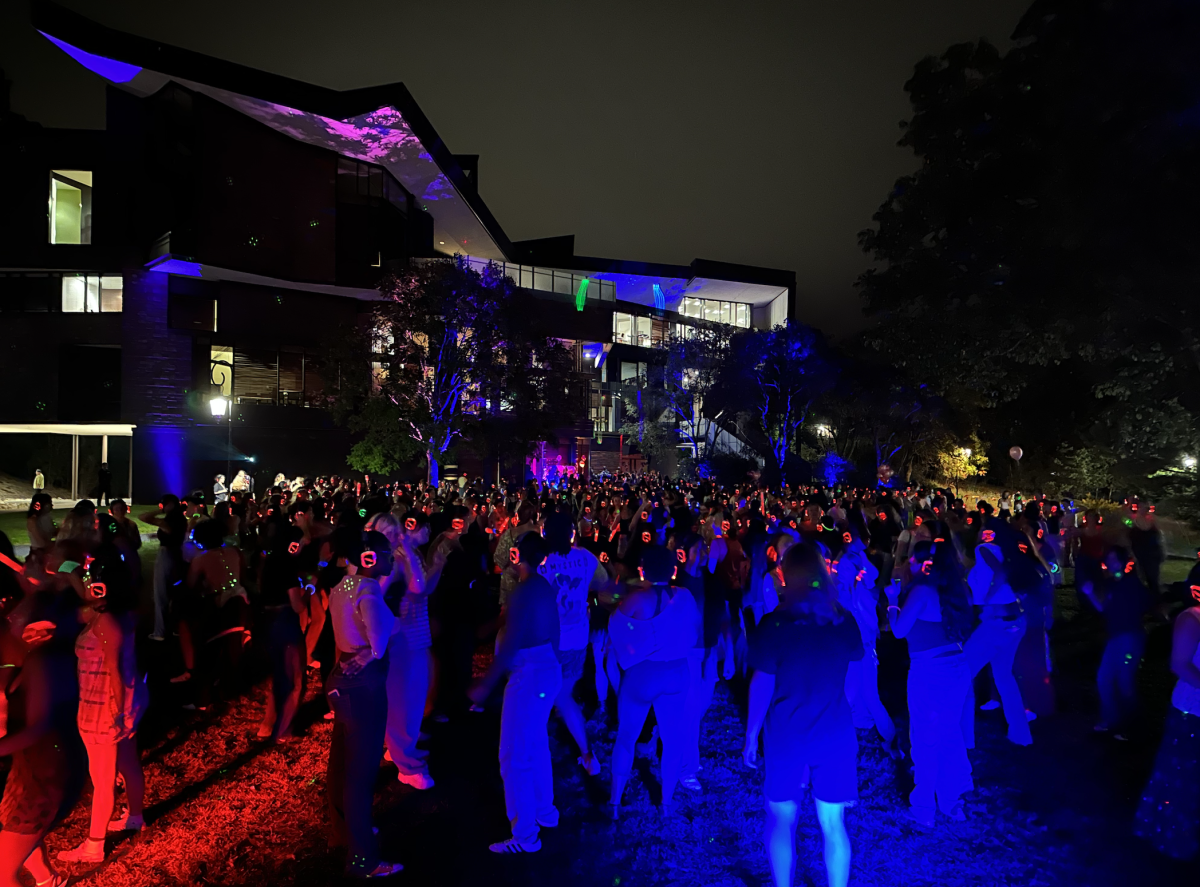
[227,221]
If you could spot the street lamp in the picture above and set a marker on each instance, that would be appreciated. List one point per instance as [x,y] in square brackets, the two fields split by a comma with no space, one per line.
[1189,461]
[219,406]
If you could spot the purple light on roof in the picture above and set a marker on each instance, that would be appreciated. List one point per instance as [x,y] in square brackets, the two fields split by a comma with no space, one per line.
[168,264]
[109,69]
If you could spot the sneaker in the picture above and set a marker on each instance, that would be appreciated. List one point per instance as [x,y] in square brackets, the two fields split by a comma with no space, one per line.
[590,764]
[922,816]
[549,819]
[1030,715]
[691,783]
[990,705]
[88,851]
[386,870]
[127,823]
[512,845]
[420,781]
[157,637]
[957,813]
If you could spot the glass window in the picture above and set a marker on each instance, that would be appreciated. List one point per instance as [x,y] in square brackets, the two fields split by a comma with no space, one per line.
[727,312]
[608,291]
[112,294]
[526,279]
[543,280]
[743,316]
[74,293]
[70,206]
[562,283]
[221,368]
[642,331]
[622,328]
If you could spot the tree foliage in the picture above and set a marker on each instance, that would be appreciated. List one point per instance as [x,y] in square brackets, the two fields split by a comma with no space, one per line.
[449,356]
[1039,269]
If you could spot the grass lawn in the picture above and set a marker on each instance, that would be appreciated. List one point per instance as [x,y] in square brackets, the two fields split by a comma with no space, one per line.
[12,523]
[225,809]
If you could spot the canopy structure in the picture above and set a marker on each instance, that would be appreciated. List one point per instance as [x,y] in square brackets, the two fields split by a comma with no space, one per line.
[102,430]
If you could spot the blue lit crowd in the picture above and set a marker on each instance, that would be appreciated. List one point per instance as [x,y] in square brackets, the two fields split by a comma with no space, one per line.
[655,590]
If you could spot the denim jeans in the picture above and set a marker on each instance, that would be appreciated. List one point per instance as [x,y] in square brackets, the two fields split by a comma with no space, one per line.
[533,684]
[359,705]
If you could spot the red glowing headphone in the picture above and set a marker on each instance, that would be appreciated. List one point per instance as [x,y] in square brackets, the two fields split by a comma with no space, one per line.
[514,556]
[98,589]
[681,555]
[367,559]
[293,548]
[410,524]
[847,538]
[645,537]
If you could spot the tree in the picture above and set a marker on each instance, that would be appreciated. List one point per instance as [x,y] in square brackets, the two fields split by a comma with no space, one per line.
[692,366]
[1039,269]
[768,380]
[453,355]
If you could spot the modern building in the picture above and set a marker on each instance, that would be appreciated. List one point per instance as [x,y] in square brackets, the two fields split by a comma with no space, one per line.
[226,220]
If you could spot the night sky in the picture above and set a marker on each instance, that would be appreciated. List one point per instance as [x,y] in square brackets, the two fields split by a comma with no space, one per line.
[762,133]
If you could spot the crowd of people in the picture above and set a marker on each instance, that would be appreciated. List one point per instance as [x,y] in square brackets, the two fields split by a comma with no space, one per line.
[659,589]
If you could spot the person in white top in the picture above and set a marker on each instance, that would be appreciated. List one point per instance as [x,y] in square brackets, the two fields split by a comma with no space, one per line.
[575,574]
[1169,815]
[995,639]
[652,630]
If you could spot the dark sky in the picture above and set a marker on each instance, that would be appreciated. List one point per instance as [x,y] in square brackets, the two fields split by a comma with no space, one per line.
[762,133]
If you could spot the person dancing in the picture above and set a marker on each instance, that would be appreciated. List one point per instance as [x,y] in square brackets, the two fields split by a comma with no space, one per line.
[936,620]
[800,656]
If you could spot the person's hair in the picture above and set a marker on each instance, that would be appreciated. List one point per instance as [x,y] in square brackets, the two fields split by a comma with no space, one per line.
[209,534]
[168,499]
[532,548]
[39,499]
[298,506]
[658,563]
[526,512]
[945,576]
[808,590]
[389,525]
[558,530]
[109,568]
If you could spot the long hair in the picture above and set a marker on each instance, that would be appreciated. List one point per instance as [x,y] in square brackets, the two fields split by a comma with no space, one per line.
[945,576]
[808,590]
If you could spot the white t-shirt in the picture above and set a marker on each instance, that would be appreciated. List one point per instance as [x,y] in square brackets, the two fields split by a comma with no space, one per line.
[572,575]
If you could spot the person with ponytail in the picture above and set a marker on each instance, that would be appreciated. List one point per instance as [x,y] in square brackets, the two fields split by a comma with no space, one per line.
[936,620]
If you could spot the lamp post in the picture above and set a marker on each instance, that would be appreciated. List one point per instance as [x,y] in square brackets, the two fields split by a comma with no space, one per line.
[219,405]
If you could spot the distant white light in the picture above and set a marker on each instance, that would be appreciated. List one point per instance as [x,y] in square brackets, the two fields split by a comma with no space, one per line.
[1189,461]
[967,452]
[821,430]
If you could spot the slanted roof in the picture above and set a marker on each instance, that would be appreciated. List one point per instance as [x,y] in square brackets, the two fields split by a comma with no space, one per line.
[378,124]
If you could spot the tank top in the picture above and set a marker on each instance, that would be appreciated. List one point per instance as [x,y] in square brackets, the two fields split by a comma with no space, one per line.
[1185,696]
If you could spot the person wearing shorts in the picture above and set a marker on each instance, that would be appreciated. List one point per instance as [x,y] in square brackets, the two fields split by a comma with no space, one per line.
[800,655]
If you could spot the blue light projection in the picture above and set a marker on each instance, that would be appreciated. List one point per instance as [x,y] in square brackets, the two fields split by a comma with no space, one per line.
[162,446]
[660,301]
[168,264]
[109,69]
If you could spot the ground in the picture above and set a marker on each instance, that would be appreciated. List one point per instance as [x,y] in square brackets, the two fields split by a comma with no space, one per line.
[226,809]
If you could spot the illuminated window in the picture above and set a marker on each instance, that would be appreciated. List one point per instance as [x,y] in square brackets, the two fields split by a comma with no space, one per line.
[221,368]
[743,316]
[70,206]
[112,294]
[622,328]
[87,293]
[643,331]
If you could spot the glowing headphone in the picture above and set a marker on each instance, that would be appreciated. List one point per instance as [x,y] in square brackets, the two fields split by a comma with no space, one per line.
[293,548]
[367,559]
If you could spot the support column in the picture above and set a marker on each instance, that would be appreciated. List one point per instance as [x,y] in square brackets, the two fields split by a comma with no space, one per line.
[75,467]
[103,448]
[131,470]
